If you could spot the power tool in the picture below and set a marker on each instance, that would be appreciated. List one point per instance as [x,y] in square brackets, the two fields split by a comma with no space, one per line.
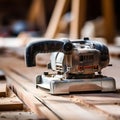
[76,65]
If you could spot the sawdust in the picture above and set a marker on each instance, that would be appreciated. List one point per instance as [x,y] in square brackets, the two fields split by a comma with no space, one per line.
[81,102]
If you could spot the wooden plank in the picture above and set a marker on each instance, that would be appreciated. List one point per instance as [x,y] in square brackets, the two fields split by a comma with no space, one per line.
[34,104]
[109,20]
[100,108]
[79,16]
[102,98]
[33,71]
[56,103]
[59,10]
[37,14]
[3,88]
[112,109]
[11,102]
[18,115]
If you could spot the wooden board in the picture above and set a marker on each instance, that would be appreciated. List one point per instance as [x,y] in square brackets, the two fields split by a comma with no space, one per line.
[79,15]
[109,20]
[36,14]
[59,10]
[10,102]
[33,104]
[53,103]
[101,99]
[112,109]
[56,103]
[19,115]
[74,106]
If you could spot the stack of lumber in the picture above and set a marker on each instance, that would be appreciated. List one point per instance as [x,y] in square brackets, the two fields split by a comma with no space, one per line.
[85,106]
[11,107]
[8,100]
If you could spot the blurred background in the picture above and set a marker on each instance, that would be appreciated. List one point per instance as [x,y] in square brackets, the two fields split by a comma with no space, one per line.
[24,15]
[60,18]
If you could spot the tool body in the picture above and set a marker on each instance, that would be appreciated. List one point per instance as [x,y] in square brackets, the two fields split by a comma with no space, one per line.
[77,65]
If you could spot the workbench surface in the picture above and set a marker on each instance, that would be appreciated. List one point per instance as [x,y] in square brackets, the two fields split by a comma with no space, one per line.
[75,106]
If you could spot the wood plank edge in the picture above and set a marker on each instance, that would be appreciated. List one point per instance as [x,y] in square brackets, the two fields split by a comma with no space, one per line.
[3,89]
[35,105]
[79,101]
[10,102]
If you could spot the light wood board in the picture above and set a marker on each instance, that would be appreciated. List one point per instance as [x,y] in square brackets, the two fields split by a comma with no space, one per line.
[74,106]
[10,102]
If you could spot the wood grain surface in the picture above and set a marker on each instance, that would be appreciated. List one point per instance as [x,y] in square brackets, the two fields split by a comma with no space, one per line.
[84,106]
[11,102]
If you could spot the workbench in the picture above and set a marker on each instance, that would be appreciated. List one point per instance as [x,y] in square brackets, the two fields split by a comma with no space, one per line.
[75,106]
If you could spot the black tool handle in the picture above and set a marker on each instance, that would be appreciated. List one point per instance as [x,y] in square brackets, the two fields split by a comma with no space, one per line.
[46,46]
